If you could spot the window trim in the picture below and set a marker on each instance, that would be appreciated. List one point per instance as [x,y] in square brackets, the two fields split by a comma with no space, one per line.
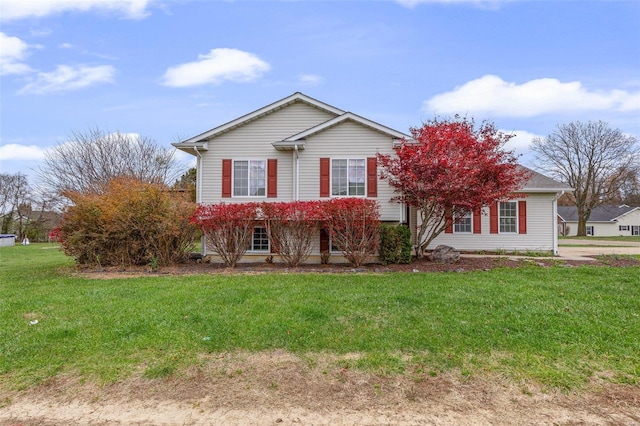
[251,244]
[469,216]
[233,177]
[590,228]
[514,217]
[623,228]
[347,159]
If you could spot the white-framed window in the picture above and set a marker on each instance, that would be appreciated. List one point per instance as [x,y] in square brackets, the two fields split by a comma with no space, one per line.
[590,230]
[348,177]
[259,240]
[249,178]
[462,223]
[635,230]
[508,217]
[623,227]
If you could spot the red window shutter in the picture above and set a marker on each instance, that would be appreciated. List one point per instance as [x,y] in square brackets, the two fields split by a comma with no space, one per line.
[448,226]
[226,178]
[372,177]
[477,220]
[272,178]
[325,166]
[493,218]
[324,241]
[522,217]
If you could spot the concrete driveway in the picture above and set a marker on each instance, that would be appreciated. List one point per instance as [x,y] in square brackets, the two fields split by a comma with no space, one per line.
[595,248]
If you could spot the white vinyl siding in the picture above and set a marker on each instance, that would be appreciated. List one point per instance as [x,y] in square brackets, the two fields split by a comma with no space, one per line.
[255,139]
[539,236]
[347,140]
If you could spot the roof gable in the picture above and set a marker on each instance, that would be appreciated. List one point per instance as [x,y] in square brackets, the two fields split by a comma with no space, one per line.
[201,139]
[538,182]
[347,116]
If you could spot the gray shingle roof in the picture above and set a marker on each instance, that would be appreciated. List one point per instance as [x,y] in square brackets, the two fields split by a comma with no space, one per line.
[539,182]
[599,214]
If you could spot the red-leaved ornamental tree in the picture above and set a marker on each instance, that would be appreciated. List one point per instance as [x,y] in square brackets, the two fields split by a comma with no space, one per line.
[450,168]
[292,227]
[227,228]
[353,224]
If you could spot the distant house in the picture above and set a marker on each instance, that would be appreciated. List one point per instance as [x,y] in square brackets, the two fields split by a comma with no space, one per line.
[36,225]
[299,148]
[605,221]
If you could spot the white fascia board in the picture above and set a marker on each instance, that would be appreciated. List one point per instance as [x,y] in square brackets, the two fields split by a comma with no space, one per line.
[263,111]
[542,190]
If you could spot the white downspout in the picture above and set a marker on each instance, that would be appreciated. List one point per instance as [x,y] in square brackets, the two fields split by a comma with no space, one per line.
[297,172]
[555,223]
[199,192]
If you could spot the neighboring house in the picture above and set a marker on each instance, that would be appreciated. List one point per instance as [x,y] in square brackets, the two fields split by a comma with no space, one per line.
[35,225]
[299,148]
[604,221]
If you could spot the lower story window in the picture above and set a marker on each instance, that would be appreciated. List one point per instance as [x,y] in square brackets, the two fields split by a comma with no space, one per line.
[635,230]
[623,228]
[590,230]
[260,240]
[509,217]
[462,223]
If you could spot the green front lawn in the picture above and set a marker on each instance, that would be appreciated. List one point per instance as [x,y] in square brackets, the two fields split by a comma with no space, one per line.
[634,238]
[556,326]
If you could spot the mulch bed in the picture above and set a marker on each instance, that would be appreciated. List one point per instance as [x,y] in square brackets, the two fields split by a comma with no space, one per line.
[464,264]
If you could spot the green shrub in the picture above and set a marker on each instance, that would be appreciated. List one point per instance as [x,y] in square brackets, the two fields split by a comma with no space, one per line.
[395,244]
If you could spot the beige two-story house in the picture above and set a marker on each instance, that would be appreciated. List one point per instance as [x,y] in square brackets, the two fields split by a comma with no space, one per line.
[300,148]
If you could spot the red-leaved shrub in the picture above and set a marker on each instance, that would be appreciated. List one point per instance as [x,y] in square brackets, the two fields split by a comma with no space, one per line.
[353,224]
[227,228]
[292,227]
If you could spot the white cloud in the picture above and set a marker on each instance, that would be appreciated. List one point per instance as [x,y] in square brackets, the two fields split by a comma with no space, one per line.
[493,96]
[66,78]
[65,46]
[521,142]
[17,152]
[20,9]
[309,79]
[215,67]
[12,52]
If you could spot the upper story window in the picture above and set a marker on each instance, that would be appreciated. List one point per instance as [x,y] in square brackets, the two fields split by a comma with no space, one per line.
[249,178]
[348,177]
[508,217]
[462,223]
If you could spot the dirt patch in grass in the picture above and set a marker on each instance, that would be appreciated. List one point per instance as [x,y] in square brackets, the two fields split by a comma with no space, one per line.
[464,264]
[281,388]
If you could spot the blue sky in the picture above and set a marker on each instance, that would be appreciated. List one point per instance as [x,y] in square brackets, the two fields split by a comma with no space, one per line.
[173,69]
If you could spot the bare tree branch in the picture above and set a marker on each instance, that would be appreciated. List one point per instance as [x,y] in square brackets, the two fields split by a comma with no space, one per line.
[89,160]
[594,159]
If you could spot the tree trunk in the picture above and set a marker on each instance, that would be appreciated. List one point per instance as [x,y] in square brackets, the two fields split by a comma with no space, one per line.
[582,226]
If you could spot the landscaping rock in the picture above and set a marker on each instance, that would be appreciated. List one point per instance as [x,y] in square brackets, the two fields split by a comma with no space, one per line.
[445,254]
